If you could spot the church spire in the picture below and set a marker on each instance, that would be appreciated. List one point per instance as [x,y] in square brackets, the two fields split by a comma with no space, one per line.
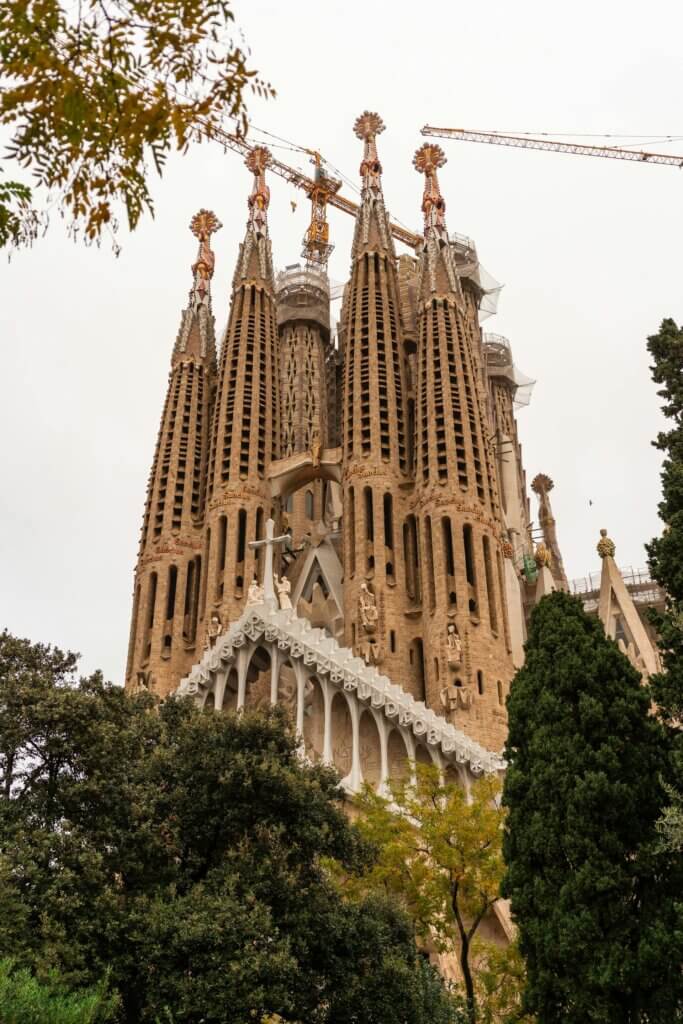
[196,334]
[255,263]
[372,232]
[245,431]
[439,265]
[171,568]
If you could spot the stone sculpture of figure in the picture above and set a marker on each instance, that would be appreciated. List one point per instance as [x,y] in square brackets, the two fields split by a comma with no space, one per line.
[316,449]
[283,587]
[453,645]
[254,594]
[213,630]
[367,606]
[449,699]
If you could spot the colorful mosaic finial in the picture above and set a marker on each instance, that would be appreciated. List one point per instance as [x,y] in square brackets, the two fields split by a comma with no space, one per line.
[367,127]
[259,200]
[204,224]
[427,161]
[606,547]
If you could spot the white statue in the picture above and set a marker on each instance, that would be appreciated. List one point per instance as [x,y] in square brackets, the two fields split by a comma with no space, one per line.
[367,608]
[254,594]
[283,587]
[453,645]
[213,630]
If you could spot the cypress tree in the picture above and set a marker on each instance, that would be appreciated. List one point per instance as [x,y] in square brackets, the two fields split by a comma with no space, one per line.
[597,922]
[665,553]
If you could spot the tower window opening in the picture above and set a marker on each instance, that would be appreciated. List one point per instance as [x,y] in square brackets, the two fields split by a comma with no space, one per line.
[500,692]
[490,588]
[352,530]
[470,569]
[369,530]
[388,508]
[449,561]
[480,683]
[205,575]
[191,595]
[220,559]
[241,535]
[170,596]
[259,536]
[392,641]
[309,505]
[429,562]
[151,608]
[420,691]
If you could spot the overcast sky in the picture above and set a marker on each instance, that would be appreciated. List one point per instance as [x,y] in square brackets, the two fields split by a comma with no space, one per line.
[589,251]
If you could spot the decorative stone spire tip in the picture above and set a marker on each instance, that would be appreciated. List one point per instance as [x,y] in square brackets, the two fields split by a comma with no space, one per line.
[427,160]
[606,547]
[368,126]
[542,484]
[204,224]
[257,160]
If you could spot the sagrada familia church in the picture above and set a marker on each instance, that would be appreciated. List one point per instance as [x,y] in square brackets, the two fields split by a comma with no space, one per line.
[341,524]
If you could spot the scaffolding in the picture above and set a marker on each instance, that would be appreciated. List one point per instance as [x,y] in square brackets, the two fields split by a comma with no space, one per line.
[499,363]
[643,589]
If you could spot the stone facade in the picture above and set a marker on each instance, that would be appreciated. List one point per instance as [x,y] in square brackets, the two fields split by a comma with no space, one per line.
[383,457]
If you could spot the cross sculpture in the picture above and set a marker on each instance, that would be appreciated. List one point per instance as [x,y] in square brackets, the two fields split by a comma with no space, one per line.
[269,542]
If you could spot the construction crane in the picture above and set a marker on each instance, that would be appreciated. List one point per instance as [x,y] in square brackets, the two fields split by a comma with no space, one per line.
[323,191]
[529,142]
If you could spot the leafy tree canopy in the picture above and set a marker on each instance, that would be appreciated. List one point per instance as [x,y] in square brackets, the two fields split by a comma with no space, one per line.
[25,1000]
[184,853]
[96,93]
[439,853]
[594,900]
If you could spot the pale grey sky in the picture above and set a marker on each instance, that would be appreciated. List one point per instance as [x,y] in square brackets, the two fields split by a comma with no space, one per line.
[588,249]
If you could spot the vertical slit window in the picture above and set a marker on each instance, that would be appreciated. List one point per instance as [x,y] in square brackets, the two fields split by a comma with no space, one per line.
[151,608]
[429,562]
[369,530]
[449,561]
[490,587]
[480,683]
[259,536]
[352,531]
[207,549]
[420,690]
[170,596]
[220,555]
[470,569]
[388,508]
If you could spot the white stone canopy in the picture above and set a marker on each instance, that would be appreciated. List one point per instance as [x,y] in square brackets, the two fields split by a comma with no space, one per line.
[319,663]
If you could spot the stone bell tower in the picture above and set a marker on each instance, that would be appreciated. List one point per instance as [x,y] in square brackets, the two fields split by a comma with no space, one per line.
[165,638]
[375,437]
[245,428]
[467,648]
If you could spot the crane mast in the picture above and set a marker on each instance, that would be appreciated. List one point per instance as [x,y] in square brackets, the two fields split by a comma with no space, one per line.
[528,142]
[323,191]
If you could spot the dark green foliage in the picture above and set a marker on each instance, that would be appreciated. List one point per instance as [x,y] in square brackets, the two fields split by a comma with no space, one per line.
[665,553]
[183,852]
[25,1000]
[593,897]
